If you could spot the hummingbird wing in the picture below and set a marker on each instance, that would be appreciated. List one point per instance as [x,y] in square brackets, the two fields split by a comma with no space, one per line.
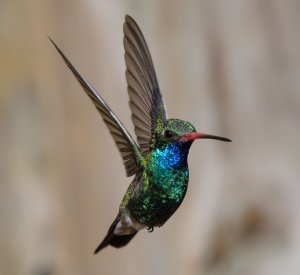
[128,148]
[146,102]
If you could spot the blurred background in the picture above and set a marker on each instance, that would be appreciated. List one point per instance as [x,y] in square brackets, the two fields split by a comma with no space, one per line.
[231,68]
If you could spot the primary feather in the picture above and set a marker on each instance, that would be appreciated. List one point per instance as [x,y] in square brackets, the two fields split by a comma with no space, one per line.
[146,102]
[128,148]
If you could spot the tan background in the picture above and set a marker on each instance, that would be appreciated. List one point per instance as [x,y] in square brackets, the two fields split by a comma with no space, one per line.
[230,67]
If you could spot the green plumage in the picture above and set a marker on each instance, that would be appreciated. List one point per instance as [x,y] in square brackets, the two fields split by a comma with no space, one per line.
[158,160]
[164,179]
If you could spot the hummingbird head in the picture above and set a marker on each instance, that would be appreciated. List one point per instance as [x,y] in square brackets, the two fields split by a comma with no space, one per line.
[183,133]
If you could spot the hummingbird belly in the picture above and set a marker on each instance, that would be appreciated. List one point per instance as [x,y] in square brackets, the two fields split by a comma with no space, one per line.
[127,224]
[159,196]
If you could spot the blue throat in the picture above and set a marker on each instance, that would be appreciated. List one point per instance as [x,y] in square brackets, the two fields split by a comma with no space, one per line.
[173,156]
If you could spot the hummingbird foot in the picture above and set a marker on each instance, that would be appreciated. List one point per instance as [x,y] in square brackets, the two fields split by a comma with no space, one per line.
[150,229]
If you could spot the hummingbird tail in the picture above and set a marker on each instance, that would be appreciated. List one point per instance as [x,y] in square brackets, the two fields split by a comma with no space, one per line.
[114,240]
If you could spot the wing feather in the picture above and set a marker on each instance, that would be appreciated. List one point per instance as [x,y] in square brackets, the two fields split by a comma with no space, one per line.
[146,102]
[128,148]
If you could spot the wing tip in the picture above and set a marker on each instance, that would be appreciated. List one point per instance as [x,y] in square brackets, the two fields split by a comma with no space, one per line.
[54,44]
[130,22]
[69,64]
[128,18]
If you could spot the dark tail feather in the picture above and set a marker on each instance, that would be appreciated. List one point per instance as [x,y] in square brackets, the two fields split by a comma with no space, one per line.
[119,241]
[114,240]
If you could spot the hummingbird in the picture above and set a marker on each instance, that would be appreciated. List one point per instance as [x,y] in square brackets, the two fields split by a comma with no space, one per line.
[158,159]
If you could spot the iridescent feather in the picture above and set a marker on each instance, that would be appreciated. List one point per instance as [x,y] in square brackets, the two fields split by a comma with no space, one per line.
[159,160]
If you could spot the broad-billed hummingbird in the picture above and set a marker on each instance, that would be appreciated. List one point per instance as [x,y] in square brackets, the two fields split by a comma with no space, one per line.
[158,160]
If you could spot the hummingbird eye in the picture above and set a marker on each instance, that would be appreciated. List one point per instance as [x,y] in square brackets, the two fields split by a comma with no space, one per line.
[168,134]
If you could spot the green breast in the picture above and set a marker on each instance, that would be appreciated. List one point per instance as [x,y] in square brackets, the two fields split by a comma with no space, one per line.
[165,181]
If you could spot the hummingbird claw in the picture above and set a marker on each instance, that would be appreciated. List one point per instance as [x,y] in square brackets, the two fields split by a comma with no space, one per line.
[150,229]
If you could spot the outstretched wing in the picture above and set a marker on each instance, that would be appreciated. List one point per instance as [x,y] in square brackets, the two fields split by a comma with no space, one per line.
[146,101]
[128,148]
